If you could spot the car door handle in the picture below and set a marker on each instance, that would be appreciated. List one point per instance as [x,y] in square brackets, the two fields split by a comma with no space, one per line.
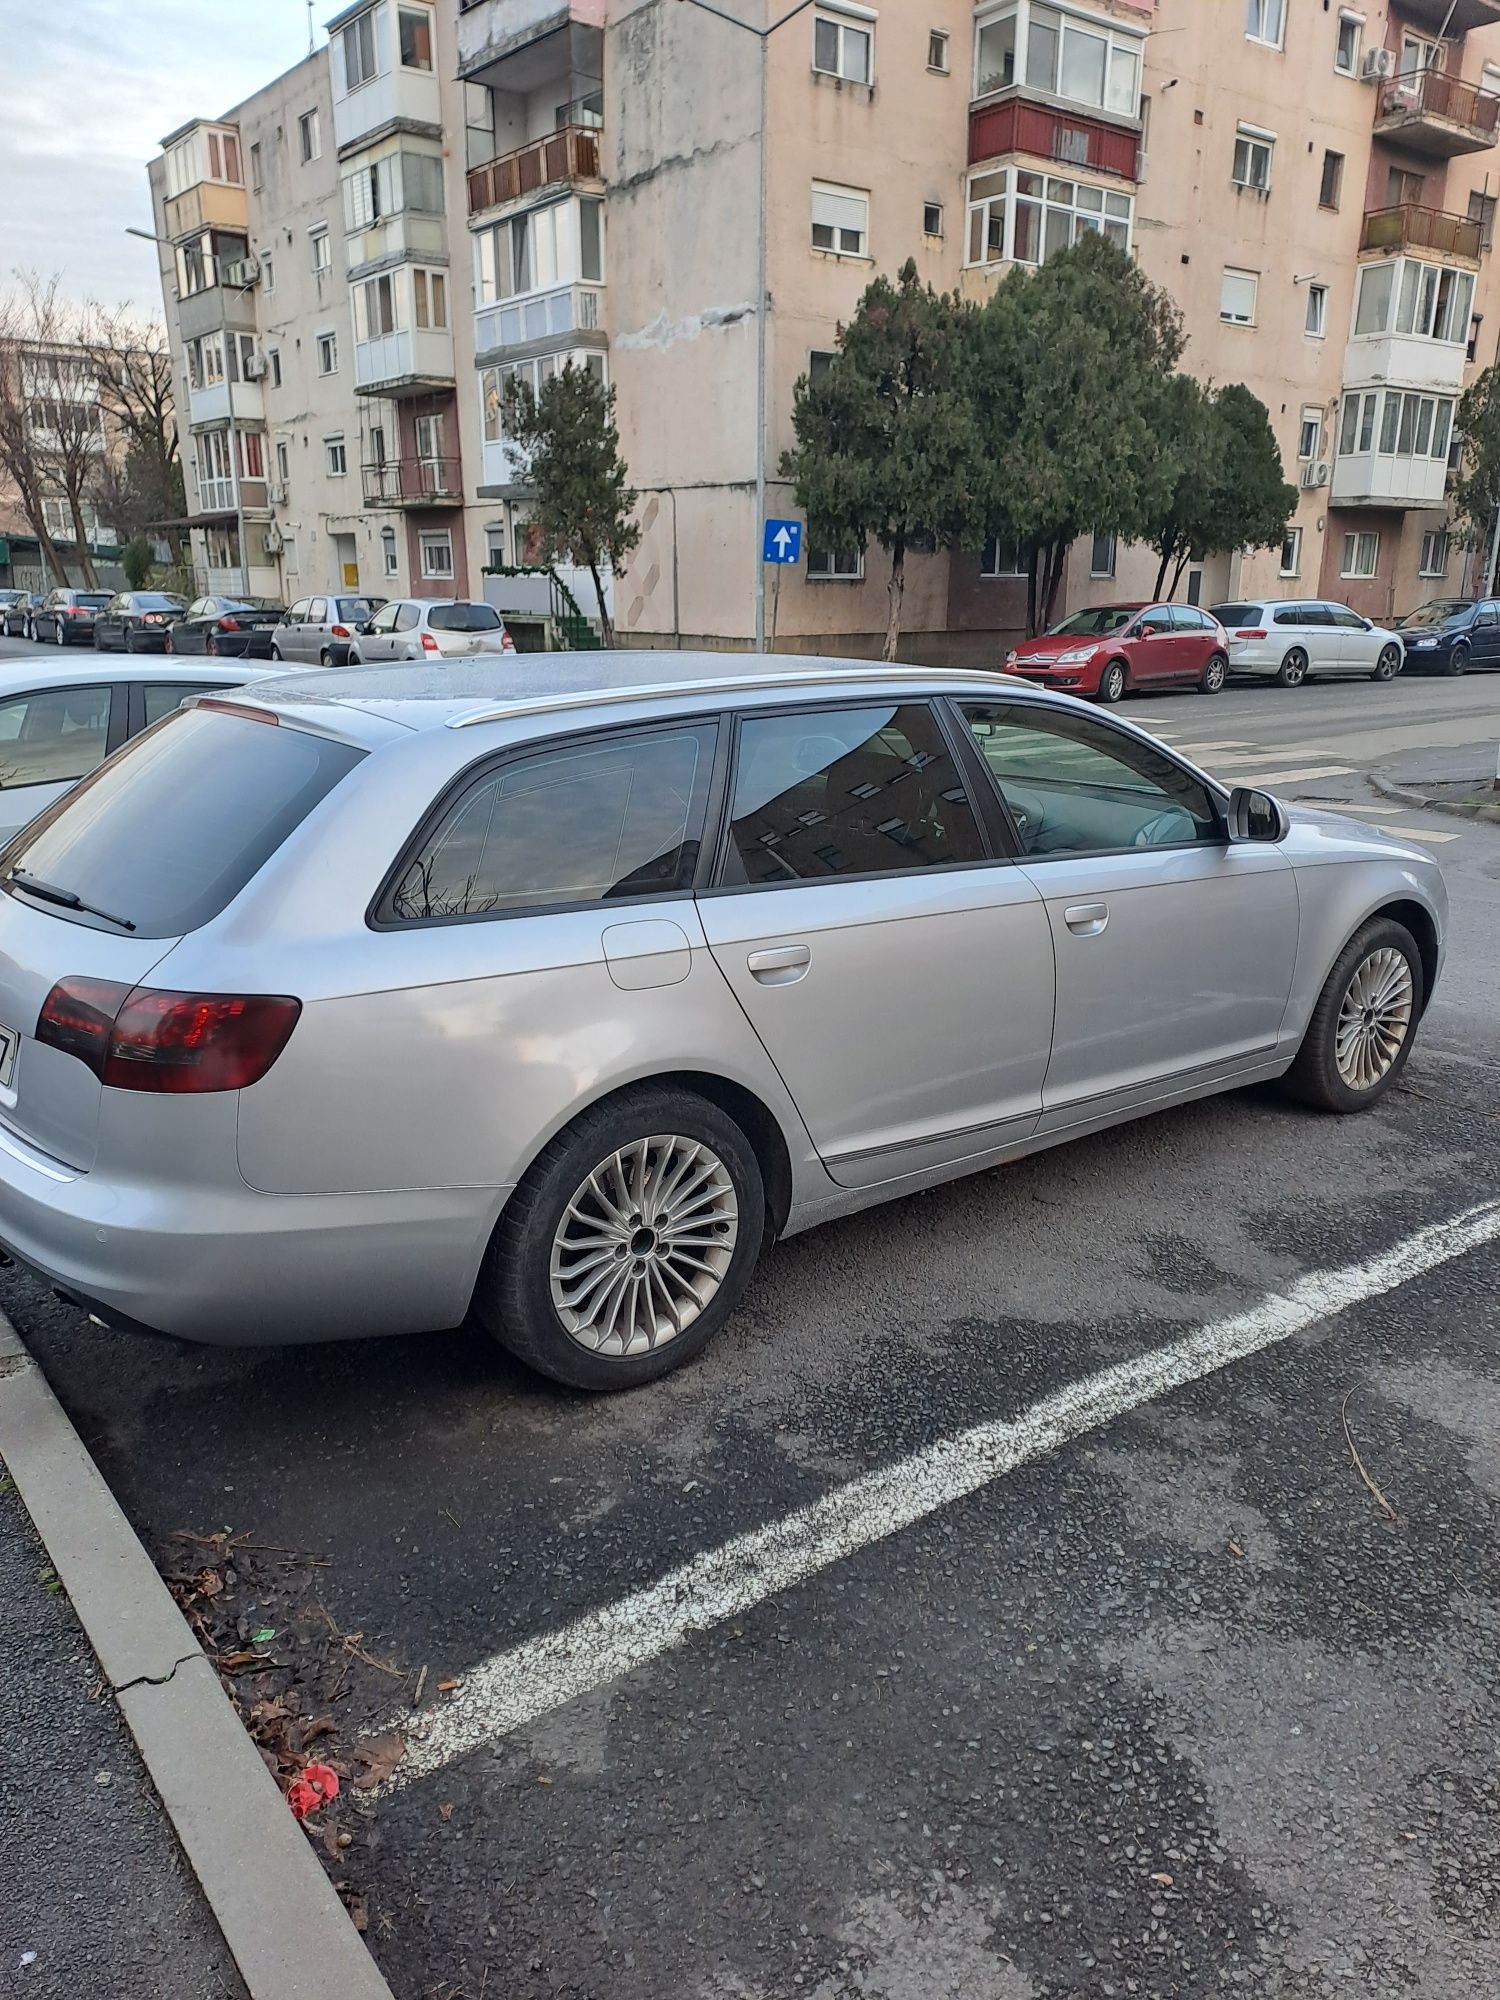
[780,964]
[1086,919]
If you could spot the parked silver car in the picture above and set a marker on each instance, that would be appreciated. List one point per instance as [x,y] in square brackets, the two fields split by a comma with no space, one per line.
[318,631]
[452,627]
[557,987]
[1291,640]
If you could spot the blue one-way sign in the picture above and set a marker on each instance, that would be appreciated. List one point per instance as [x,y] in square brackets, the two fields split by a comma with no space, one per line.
[783,542]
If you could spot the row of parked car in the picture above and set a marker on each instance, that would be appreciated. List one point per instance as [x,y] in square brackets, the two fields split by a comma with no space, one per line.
[335,630]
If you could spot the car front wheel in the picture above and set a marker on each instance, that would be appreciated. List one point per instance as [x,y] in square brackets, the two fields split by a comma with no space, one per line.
[1388,665]
[1362,1028]
[1458,658]
[628,1243]
[1215,673]
[1112,681]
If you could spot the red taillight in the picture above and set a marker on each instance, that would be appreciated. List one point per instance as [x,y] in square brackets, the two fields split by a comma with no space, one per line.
[154,618]
[1248,633]
[74,611]
[142,1038]
[228,624]
[429,644]
[507,644]
[339,631]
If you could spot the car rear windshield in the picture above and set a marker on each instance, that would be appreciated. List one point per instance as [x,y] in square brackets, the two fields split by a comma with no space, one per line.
[355,610]
[169,831]
[92,600]
[1237,614]
[464,618]
[157,600]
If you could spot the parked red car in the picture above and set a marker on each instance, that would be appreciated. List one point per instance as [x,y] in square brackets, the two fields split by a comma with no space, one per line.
[1111,648]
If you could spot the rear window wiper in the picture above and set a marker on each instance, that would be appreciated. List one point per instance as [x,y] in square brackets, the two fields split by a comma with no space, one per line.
[48,892]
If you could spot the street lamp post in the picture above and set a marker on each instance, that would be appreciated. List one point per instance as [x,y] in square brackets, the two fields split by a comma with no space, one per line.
[238,292]
[763,36]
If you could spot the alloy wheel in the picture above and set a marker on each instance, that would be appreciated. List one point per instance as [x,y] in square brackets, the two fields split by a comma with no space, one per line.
[644,1245]
[1388,665]
[1374,1018]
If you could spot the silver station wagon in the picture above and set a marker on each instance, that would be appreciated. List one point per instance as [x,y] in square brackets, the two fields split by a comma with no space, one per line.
[555,987]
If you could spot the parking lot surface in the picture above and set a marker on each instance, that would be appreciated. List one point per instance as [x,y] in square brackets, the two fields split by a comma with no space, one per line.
[1176,1701]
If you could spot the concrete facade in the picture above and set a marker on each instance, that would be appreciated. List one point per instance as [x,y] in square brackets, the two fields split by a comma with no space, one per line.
[600,170]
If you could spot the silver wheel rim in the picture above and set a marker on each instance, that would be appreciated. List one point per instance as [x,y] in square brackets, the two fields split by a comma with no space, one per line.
[1388,664]
[644,1245]
[1114,683]
[1216,674]
[1374,1019]
[1294,669]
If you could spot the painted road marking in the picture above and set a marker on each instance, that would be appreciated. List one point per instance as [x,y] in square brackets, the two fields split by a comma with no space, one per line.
[1420,834]
[515,1688]
[1282,752]
[1263,778]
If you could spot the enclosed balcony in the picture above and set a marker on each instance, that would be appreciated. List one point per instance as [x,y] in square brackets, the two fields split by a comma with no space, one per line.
[1412,227]
[518,44]
[407,363]
[203,180]
[570,154]
[217,401]
[1392,449]
[382,64]
[1437,114]
[413,482]
[565,309]
[1452,17]
[1014,124]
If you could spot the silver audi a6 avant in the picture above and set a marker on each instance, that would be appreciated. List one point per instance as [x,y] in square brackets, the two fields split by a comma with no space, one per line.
[557,986]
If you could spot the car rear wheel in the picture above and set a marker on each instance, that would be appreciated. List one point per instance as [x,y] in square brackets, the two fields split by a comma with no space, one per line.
[325,658]
[1458,658]
[211,646]
[57,633]
[130,639]
[1293,670]
[1362,1028]
[1112,681]
[1388,665]
[628,1243]
[1215,673]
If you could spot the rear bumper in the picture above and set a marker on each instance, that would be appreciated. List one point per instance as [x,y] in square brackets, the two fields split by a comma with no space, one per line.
[231,1267]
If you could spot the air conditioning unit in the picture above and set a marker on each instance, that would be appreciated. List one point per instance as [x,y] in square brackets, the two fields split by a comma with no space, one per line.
[243,271]
[276,493]
[255,368]
[1315,473]
[274,543]
[1379,65]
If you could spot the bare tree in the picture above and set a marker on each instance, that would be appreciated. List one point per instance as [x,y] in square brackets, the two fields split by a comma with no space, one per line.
[132,365]
[50,377]
[21,458]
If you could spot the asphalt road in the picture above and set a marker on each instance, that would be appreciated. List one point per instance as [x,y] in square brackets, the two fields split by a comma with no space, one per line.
[1174,1708]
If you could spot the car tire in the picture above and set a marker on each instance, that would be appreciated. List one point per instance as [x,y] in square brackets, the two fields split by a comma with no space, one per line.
[57,633]
[1339,1066]
[352,659]
[1458,659]
[557,1212]
[1112,682]
[276,655]
[130,645]
[325,658]
[1293,670]
[1215,673]
[211,646]
[1388,665]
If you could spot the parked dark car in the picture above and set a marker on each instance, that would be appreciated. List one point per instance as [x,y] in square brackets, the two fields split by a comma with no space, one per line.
[66,617]
[1448,635]
[137,621]
[15,619]
[236,628]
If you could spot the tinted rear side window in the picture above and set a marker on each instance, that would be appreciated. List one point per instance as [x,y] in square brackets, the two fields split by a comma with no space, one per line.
[1237,614]
[464,618]
[173,827]
[591,822]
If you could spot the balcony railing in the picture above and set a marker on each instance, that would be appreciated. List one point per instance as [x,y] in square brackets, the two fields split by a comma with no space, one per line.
[1439,114]
[568,155]
[1411,227]
[1015,125]
[413,482]
[566,309]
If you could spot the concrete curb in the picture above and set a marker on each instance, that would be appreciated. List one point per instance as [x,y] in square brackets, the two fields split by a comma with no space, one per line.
[1456,808]
[287,1931]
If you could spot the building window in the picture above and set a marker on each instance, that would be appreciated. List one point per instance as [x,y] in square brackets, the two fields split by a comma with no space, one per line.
[1357,431]
[841,49]
[1404,189]
[256,181]
[309,136]
[1317,311]
[431,292]
[1346,47]
[1102,556]
[1310,437]
[414,26]
[1252,159]
[819,361]
[1418,54]
[273,361]
[1265,20]
[328,353]
[840,219]
[267,272]
[494,545]
[359,50]
[1361,553]
[1331,187]
[388,551]
[283,461]
[1091,62]
[1291,552]
[1411,425]
[1426,301]
[1026,216]
[1001,559]
[937,51]
[251,452]
[1433,560]
[437,553]
[335,455]
[377,307]
[835,565]
[932,218]
[1237,297]
[1482,211]
[322,248]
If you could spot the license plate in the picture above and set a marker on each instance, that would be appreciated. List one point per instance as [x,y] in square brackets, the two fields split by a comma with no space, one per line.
[9,1041]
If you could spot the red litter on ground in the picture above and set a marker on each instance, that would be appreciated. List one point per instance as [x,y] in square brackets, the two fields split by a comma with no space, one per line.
[317,1784]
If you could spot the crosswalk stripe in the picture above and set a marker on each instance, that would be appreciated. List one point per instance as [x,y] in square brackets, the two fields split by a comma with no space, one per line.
[1421,834]
[1202,750]
[1285,754]
[1263,778]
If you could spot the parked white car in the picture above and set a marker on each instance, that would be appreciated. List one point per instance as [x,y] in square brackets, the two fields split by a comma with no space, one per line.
[413,628]
[1290,640]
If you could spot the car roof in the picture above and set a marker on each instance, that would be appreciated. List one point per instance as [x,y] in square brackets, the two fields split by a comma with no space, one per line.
[44,670]
[498,686]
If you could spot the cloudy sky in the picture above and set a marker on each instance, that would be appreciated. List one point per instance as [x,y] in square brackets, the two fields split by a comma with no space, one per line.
[91,87]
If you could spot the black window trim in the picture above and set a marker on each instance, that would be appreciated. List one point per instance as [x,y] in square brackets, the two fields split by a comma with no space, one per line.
[992,827]
[116,730]
[1218,798]
[483,767]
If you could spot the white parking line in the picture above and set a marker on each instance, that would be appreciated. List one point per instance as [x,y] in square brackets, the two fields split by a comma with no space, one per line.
[517,1687]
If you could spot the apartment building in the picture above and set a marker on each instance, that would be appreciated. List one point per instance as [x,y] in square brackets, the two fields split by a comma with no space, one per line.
[499,187]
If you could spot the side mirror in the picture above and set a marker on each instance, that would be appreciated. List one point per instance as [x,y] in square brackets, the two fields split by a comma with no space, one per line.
[1255,816]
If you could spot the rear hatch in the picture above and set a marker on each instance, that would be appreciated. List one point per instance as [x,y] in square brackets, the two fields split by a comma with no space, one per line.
[153,845]
[462,630]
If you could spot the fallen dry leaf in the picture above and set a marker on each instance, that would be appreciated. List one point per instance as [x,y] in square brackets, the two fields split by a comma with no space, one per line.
[1235,1549]
[446,1687]
[1162,1881]
[378,1756]
[445,1812]
[209,1582]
